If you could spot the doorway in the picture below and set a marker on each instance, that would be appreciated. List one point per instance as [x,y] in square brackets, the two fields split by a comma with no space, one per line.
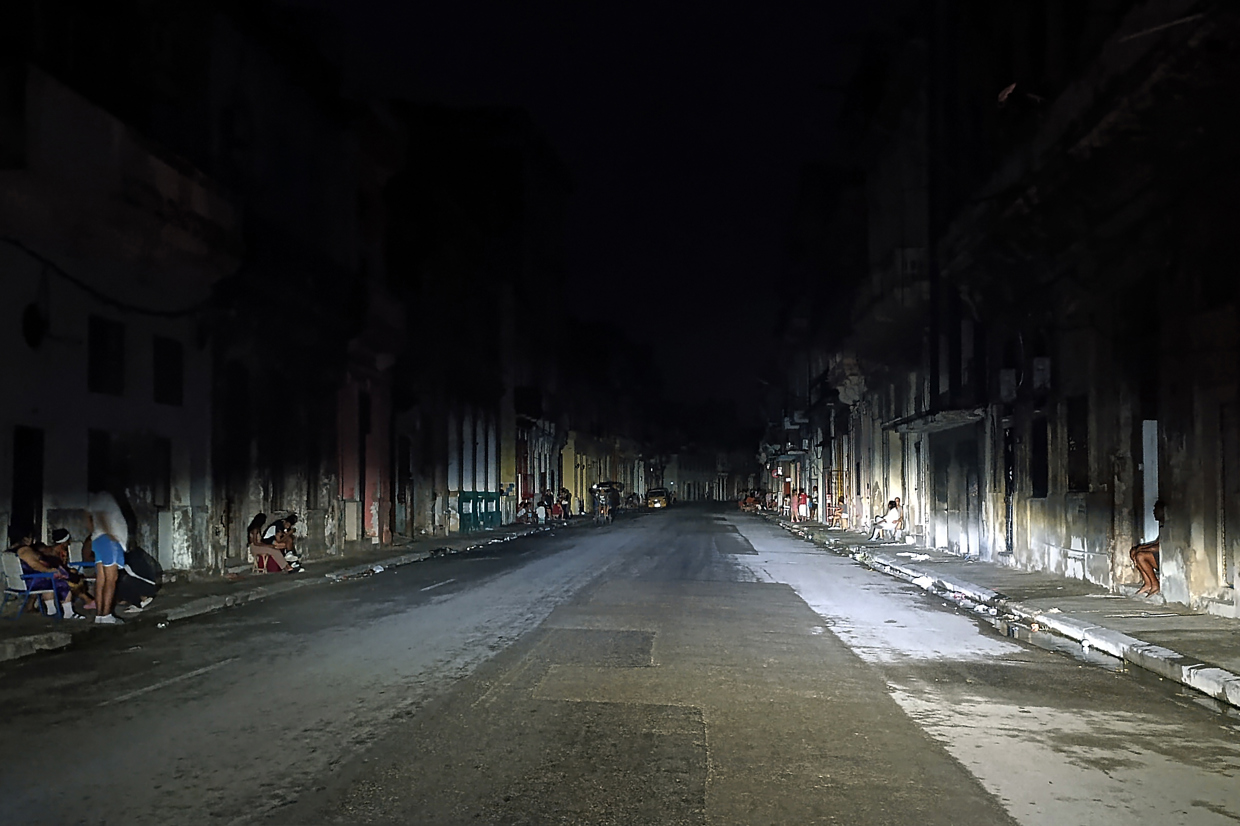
[1149,479]
[1229,498]
[27,503]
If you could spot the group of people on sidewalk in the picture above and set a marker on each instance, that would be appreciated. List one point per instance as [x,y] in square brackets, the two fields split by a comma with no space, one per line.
[124,582]
[549,507]
[273,546]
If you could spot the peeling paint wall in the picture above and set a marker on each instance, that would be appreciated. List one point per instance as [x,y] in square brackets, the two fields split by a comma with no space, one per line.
[113,393]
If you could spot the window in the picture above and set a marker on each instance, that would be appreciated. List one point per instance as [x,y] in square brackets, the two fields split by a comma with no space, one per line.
[98,460]
[1078,444]
[1039,460]
[169,371]
[161,482]
[27,486]
[105,371]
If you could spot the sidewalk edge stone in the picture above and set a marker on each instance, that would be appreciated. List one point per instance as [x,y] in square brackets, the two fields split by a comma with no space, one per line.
[18,647]
[1210,680]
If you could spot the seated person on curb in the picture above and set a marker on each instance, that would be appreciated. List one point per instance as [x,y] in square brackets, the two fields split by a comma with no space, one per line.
[1146,558]
[280,536]
[889,521]
[34,562]
[59,549]
[263,552]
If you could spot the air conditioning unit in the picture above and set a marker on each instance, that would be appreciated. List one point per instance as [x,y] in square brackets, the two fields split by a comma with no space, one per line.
[1007,385]
[1041,373]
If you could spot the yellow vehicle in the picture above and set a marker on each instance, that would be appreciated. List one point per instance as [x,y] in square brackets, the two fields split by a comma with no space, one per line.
[657,498]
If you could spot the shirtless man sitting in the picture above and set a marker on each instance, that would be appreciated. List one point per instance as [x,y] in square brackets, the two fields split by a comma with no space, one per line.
[36,560]
[1146,558]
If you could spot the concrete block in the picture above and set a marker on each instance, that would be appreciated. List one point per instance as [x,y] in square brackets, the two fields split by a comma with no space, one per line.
[1218,683]
[17,647]
[974,592]
[1068,626]
[1162,661]
[1112,642]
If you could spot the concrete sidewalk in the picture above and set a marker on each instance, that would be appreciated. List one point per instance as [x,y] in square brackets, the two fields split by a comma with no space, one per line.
[181,599]
[1197,650]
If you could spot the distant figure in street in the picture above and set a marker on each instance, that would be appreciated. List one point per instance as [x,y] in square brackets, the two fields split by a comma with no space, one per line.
[813,504]
[1146,558]
[108,538]
[802,505]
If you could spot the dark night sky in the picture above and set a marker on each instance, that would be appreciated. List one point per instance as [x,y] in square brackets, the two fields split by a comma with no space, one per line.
[684,125]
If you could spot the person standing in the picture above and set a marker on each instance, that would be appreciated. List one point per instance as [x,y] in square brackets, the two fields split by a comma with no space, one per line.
[1146,558]
[108,537]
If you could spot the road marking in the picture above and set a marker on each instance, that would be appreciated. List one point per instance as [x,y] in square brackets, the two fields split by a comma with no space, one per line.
[189,675]
[437,584]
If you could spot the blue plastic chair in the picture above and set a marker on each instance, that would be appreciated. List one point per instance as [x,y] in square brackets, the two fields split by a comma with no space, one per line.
[18,585]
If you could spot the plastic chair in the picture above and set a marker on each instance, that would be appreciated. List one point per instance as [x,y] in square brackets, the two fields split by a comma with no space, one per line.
[17,585]
[75,560]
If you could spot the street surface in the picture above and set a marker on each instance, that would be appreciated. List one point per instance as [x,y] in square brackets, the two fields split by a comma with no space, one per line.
[689,666]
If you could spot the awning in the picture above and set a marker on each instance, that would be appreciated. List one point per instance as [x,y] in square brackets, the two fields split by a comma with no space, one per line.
[936,421]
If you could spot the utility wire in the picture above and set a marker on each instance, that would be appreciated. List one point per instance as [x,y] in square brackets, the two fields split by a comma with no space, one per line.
[103,297]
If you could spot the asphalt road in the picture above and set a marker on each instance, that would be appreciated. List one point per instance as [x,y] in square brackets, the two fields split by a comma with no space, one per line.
[689,666]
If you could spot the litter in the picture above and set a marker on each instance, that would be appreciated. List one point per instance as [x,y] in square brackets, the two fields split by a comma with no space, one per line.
[378,569]
[1054,611]
[914,557]
[161,625]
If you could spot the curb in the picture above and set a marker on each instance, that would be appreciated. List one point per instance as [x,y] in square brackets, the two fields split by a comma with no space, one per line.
[19,647]
[34,643]
[1209,679]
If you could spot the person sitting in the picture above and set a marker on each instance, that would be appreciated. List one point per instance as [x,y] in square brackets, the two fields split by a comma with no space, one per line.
[269,547]
[22,544]
[1146,558]
[79,587]
[282,535]
[887,523]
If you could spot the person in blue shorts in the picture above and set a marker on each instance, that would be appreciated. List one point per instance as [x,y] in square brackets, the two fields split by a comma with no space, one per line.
[108,538]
